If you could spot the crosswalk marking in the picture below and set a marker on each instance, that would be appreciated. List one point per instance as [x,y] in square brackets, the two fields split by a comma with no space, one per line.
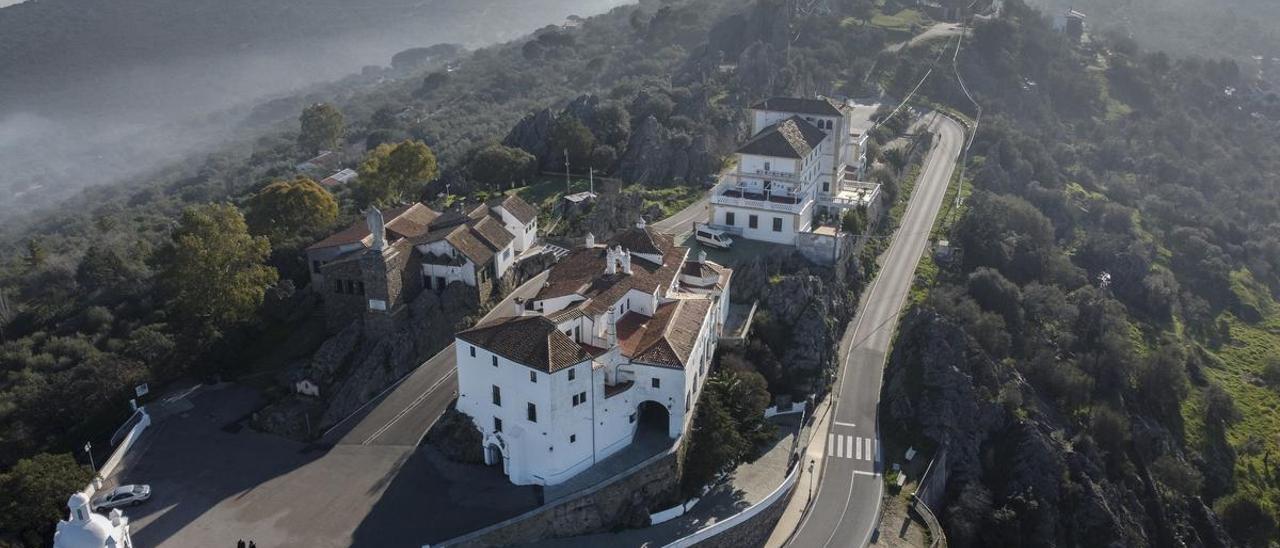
[852,447]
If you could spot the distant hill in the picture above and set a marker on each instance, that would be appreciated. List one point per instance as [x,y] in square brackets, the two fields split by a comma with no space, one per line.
[1238,29]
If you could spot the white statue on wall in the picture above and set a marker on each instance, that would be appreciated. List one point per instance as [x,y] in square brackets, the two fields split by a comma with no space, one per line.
[377,227]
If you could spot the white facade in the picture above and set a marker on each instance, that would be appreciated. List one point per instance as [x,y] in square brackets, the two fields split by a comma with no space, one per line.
[84,528]
[773,197]
[640,346]
[526,233]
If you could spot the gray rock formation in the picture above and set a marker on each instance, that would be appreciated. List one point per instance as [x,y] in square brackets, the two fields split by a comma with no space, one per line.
[532,133]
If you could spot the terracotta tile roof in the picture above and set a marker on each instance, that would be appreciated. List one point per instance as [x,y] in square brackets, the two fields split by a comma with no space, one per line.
[517,207]
[790,138]
[668,337]
[533,341]
[582,272]
[463,239]
[493,233]
[821,106]
[408,221]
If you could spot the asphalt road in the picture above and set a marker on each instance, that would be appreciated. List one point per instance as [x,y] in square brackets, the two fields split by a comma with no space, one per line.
[405,411]
[845,511]
[683,220]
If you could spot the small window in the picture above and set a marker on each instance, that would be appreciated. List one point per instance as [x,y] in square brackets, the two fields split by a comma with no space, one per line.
[631,418]
[315,266]
[351,287]
[360,288]
[655,382]
[337,286]
[497,424]
[494,360]
[533,376]
[777,224]
[766,166]
[573,438]
[532,412]
[473,352]
[497,396]
[728,218]
[753,221]
[571,373]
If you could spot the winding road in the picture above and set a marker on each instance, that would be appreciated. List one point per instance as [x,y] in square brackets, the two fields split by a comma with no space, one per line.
[846,509]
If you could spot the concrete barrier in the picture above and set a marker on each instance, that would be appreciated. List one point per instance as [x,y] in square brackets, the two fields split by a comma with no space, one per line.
[142,421]
[744,516]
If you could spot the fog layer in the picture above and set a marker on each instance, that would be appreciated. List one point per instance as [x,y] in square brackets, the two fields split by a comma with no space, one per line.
[99,92]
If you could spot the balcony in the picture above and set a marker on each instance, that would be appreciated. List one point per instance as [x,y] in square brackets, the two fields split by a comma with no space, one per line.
[785,201]
[779,175]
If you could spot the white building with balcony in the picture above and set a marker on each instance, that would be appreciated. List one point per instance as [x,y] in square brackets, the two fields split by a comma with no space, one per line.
[615,345]
[805,156]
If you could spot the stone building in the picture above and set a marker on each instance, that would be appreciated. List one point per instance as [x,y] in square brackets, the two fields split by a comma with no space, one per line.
[372,270]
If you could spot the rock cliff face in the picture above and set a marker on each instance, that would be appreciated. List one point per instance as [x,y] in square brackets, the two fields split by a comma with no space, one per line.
[532,133]
[805,305]
[1046,488]
[351,368]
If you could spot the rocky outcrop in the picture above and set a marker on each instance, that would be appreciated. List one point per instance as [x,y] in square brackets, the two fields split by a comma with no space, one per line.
[532,133]
[806,305]
[1048,487]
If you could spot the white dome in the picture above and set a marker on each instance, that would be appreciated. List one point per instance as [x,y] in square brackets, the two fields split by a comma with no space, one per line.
[85,528]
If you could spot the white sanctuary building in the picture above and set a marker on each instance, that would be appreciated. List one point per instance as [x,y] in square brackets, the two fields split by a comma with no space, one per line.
[805,156]
[617,342]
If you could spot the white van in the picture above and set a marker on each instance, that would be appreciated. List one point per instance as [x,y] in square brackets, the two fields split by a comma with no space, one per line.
[712,237]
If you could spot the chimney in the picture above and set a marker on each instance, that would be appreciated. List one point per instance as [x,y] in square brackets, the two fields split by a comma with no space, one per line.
[626,262]
[377,227]
[611,332]
[702,256]
[117,517]
[517,307]
[590,240]
[610,262]
[640,224]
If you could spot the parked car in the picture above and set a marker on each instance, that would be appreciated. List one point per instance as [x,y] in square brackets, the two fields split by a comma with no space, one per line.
[712,237]
[124,495]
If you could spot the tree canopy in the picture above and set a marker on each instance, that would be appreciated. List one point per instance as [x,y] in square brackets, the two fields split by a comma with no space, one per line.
[285,211]
[214,272]
[391,174]
[322,127]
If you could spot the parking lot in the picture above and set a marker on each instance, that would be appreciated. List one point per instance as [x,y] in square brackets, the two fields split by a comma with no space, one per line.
[214,482]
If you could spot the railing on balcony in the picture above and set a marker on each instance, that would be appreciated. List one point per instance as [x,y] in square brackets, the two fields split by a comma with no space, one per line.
[794,202]
[776,174]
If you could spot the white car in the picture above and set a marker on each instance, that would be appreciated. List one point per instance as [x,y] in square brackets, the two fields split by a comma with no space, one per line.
[125,495]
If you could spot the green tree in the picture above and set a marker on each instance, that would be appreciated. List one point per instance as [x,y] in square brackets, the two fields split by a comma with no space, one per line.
[568,134]
[714,447]
[854,221]
[1246,519]
[498,166]
[36,255]
[285,211]
[430,83]
[393,173]
[34,493]
[321,128]
[215,276]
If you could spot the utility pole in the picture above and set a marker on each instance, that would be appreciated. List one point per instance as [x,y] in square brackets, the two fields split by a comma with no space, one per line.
[88,450]
[591,180]
[566,172]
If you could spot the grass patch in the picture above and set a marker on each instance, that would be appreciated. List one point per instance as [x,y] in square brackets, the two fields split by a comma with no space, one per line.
[901,21]
[1237,370]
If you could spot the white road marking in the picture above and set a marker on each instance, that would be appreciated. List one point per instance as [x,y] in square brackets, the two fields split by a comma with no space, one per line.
[849,424]
[861,473]
[869,454]
[859,446]
[839,446]
[831,442]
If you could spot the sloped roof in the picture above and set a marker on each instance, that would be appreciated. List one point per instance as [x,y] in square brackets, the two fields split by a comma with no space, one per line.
[821,106]
[517,207]
[533,341]
[582,272]
[667,338]
[493,233]
[408,221]
[790,138]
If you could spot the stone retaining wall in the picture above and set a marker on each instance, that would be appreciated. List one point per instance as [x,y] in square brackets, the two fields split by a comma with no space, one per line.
[624,499]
